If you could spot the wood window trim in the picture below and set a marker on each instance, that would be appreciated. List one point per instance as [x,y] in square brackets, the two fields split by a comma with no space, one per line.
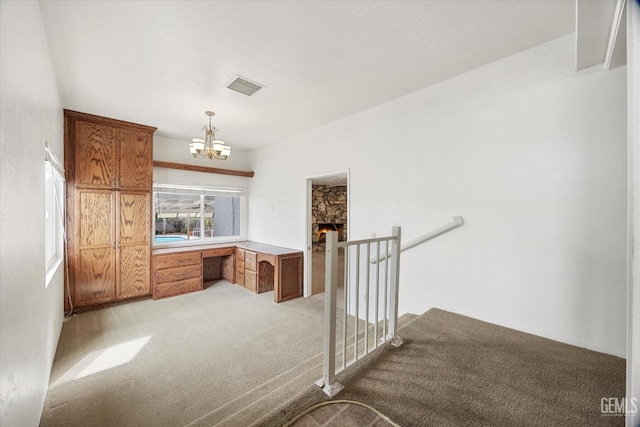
[205,169]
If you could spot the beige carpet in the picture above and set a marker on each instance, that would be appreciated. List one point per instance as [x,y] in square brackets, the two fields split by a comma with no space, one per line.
[171,362]
[458,371]
[228,357]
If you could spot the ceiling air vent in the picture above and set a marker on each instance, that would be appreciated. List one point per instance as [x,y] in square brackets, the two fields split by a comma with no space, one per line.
[245,86]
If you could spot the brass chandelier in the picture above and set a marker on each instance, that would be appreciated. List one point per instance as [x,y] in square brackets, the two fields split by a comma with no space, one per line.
[209,146]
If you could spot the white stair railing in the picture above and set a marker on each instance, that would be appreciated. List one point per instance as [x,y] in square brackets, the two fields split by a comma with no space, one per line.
[370,326]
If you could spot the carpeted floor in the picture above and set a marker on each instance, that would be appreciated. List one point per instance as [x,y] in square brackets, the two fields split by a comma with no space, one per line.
[228,357]
[458,371]
[169,362]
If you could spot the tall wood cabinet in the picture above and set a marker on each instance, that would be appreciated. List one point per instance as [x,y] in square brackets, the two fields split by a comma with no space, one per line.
[109,174]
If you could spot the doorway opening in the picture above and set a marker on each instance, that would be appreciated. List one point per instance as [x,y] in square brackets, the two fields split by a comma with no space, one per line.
[327,210]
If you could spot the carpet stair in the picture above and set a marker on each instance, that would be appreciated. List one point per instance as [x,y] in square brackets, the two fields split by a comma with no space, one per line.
[255,406]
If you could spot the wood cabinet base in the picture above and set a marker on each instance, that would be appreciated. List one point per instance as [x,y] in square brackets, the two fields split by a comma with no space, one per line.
[255,266]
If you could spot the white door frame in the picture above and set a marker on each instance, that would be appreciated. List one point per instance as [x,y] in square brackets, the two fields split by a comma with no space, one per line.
[308,255]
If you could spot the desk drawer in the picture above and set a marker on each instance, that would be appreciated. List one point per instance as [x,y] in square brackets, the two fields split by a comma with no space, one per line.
[218,252]
[176,288]
[250,281]
[250,260]
[180,273]
[178,260]
[240,277]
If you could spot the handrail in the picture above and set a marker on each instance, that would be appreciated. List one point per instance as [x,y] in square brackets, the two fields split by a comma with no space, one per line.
[423,237]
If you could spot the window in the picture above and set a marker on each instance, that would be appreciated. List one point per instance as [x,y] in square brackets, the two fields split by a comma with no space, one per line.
[53,217]
[186,213]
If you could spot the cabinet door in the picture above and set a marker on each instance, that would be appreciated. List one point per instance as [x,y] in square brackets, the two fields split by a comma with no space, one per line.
[250,280]
[95,270]
[136,164]
[250,261]
[133,243]
[95,155]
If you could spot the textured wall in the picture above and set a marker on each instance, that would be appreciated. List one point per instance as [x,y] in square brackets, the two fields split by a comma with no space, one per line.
[31,312]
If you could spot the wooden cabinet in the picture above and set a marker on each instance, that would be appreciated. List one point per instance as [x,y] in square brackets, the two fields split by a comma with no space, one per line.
[176,274]
[110,157]
[135,170]
[240,266]
[109,174]
[246,269]
[262,268]
[96,249]
[257,267]
[250,272]
[95,155]
[133,244]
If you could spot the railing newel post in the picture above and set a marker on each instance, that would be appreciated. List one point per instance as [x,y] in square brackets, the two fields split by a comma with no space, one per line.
[395,286]
[327,382]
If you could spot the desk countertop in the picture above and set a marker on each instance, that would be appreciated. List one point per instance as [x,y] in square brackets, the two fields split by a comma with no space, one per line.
[252,246]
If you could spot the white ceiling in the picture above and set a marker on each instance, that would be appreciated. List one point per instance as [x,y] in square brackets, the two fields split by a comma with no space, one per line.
[164,63]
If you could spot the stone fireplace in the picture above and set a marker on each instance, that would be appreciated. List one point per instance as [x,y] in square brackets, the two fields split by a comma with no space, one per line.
[323,228]
[329,212]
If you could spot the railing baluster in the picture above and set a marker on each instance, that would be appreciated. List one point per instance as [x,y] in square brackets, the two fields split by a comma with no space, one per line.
[345,321]
[375,327]
[366,300]
[386,290]
[357,300]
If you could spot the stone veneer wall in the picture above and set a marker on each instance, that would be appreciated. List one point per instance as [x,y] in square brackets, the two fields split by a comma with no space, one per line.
[329,206]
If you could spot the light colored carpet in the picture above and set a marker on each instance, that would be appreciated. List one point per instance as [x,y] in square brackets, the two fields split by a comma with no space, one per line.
[457,371]
[171,362]
[227,357]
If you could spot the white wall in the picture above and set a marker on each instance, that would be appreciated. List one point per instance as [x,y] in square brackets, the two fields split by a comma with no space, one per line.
[30,314]
[531,153]
[173,150]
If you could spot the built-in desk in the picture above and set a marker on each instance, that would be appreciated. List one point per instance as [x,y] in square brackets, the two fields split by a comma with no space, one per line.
[255,266]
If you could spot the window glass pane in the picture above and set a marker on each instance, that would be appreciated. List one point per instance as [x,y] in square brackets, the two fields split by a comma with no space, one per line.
[177,217]
[222,216]
[49,216]
[188,212]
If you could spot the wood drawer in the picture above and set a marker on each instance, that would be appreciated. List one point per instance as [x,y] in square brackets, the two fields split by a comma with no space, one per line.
[240,255]
[178,260]
[180,273]
[240,266]
[240,277]
[250,280]
[164,290]
[250,259]
[218,252]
